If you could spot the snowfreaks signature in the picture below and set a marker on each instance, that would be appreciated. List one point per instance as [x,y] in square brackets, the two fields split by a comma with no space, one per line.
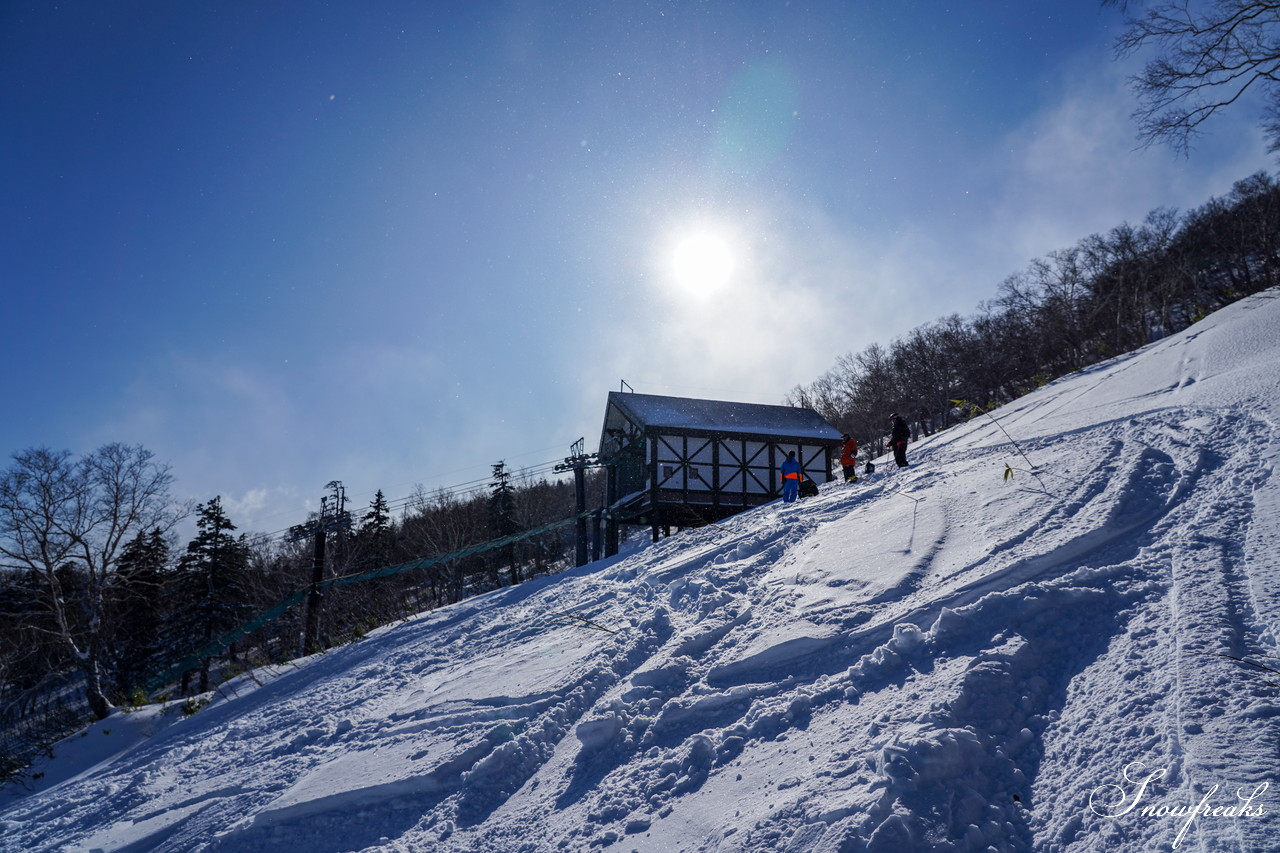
[1101,801]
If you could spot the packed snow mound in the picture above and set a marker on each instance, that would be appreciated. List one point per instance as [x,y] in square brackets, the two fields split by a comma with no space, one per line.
[937,658]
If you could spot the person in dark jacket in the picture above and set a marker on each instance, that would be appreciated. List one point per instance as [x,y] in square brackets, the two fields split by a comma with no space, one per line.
[898,439]
[808,489]
[849,459]
[791,474]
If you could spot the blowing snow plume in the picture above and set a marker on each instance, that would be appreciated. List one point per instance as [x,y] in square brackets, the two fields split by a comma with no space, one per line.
[934,659]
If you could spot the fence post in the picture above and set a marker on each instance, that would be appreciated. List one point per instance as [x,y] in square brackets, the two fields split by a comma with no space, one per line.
[311,637]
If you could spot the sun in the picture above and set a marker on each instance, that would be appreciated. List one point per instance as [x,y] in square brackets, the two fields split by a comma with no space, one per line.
[702,264]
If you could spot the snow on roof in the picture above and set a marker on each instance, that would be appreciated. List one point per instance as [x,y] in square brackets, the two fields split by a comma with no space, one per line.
[720,416]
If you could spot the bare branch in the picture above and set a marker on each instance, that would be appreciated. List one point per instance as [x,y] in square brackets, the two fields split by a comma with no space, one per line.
[1210,57]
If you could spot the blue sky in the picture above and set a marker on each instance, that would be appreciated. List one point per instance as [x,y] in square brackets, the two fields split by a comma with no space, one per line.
[392,243]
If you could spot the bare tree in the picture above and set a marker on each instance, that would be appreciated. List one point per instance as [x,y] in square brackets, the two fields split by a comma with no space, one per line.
[931,360]
[1210,54]
[58,514]
[442,522]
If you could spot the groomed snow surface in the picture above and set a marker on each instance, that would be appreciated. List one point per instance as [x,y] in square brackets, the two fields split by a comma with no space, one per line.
[932,659]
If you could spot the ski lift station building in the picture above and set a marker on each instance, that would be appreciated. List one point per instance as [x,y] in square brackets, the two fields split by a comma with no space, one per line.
[678,462]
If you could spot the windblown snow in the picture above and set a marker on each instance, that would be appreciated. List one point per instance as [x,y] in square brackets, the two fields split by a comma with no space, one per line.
[937,659]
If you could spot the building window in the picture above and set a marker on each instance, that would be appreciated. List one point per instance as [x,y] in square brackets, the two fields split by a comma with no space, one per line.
[670,471]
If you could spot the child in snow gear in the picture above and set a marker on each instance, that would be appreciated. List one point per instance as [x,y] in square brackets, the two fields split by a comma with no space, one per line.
[808,488]
[849,459]
[791,473]
[898,439]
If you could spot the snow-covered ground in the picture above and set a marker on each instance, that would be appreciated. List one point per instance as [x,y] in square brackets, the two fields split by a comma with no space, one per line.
[934,659]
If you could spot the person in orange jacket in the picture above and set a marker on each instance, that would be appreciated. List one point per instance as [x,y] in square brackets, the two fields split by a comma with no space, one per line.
[791,474]
[849,459]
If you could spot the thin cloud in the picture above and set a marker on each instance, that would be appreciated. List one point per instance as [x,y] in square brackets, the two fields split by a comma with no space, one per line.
[1076,169]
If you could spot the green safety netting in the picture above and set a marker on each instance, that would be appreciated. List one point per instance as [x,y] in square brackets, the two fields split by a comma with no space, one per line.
[218,646]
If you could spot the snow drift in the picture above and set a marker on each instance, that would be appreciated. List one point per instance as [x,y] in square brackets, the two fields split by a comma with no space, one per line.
[934,659]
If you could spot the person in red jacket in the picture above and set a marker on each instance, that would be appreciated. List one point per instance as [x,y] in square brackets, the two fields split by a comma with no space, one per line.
[849,459]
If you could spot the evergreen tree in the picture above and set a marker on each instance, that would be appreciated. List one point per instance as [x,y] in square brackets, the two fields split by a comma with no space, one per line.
[375,531]
[502,516]
[212,590]
[136,609]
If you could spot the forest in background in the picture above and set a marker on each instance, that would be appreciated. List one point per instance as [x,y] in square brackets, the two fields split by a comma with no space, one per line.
[98,596]
[1106,295]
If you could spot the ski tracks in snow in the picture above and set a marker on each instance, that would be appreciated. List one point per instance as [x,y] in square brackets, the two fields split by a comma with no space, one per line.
[712,671]
[924,657]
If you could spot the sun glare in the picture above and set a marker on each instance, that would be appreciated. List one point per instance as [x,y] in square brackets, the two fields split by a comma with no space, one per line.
[702,264]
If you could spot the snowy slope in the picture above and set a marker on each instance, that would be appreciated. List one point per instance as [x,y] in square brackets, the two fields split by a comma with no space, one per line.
[937,659]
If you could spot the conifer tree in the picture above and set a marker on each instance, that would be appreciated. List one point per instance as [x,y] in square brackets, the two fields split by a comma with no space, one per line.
[212,589]
[137,609]
[502,516]
[375,531]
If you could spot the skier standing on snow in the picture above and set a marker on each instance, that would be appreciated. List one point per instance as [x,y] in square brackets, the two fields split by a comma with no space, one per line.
[898,439]
[849,459]
[791,473]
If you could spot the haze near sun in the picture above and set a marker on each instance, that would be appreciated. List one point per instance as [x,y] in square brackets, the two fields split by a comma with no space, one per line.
[702,264]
